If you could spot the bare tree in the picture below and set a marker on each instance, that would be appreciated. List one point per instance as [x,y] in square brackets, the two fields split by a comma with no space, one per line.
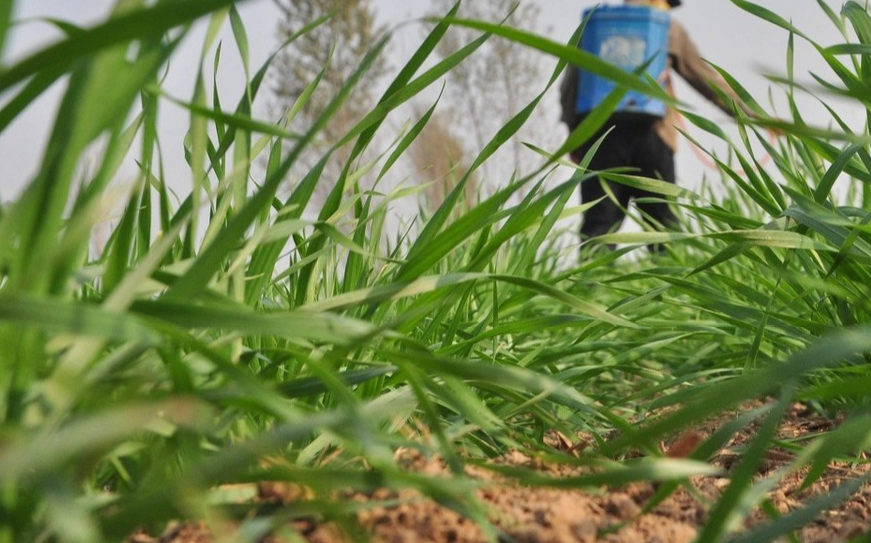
[439,158]
[335,48]
[488,88]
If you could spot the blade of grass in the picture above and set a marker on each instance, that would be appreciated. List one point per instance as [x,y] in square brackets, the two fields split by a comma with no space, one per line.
[144,24]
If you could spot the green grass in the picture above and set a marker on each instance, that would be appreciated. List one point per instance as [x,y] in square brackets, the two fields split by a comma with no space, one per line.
[196,346]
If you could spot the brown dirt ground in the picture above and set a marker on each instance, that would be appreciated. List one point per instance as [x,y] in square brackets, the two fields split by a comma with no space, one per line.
[541,515]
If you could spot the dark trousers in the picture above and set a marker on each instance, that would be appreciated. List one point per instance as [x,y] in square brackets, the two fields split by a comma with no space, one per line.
[634,146]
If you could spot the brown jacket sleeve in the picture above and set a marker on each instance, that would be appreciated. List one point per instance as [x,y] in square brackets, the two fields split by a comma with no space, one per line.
[688,63]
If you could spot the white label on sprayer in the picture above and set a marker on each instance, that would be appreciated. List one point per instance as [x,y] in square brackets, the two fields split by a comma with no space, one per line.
[628,52]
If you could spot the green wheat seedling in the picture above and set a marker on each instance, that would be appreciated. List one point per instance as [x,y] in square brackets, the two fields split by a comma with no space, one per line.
[223,335]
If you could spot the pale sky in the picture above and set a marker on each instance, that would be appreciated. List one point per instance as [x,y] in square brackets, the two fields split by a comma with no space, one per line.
[726,35]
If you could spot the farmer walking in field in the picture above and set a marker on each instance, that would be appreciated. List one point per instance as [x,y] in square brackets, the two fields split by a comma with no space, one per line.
[643,133]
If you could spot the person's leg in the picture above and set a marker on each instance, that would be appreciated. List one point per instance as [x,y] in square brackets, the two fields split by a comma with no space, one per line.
[605,216]
[656,161]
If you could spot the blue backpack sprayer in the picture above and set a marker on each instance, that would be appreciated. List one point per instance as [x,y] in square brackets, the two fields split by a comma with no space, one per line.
[626,36]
